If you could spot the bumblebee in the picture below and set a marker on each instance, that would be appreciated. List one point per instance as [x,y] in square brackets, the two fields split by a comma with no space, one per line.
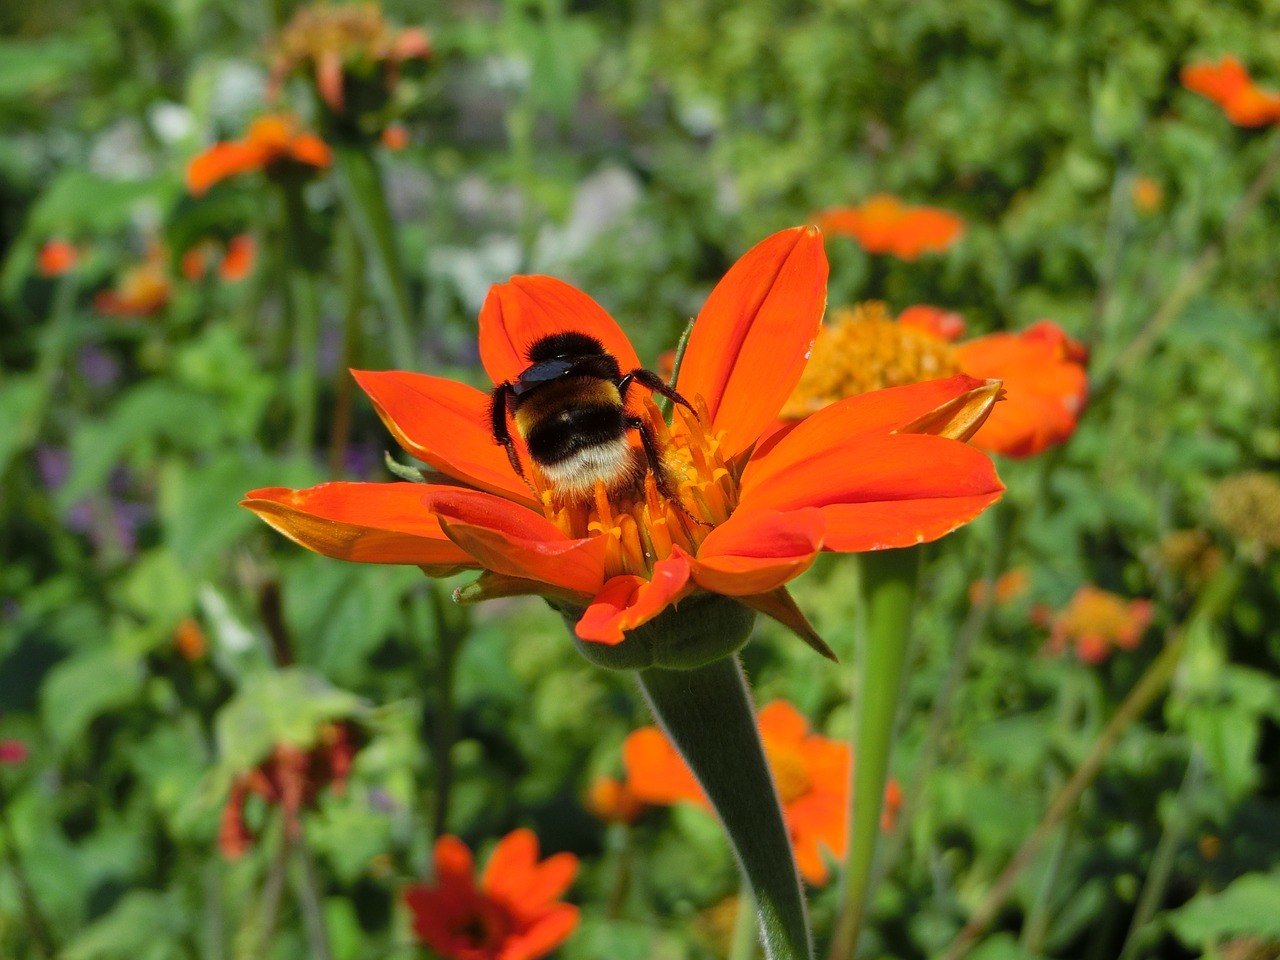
[569,407]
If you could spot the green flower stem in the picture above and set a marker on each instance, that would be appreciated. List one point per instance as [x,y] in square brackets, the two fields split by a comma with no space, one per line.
[50,359]
[365,200]
[745,937]
[620,841]
[352,260]
[707,713]
[1215,599]
[889,579]
[37,926]
[451,630]
[305,308]
[307,889]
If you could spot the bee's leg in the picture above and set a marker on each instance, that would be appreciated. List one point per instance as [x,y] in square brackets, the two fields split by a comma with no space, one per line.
[651,381]
[660,476]
[502,435]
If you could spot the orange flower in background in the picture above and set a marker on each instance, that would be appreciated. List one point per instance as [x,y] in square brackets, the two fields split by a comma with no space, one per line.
[237,263]
[292,779]
[1096,621]
[1228,84]
[395,136]
[56,257]
[612,801]
[812,774]
[864,349]
[1009,586]
[143,289]
[514,913]
[189,639]
[1148,195]
[884,224]
[342,42]
[271,144]
[882,470]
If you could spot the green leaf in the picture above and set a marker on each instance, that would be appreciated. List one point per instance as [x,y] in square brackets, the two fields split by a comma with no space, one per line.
[85,685]
[144,925]
[1247,906]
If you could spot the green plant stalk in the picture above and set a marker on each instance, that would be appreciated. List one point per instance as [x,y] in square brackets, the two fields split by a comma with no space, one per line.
[51,357]
[707,713]
[365,200]
[1157,880]
[37,926]
[305,309]
[307,890]
[620,839]
[745,938]
[889,579]
[444,732]
[1037,925]
[1215,598]
[352,260]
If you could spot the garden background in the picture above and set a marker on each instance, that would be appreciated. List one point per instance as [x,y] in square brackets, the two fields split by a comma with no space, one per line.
[175,335]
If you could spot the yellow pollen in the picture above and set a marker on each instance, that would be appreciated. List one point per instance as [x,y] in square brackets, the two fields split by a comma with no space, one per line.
[864,349]
[643,525]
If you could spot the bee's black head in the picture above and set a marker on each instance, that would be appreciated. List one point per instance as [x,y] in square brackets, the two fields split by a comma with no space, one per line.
[566,344]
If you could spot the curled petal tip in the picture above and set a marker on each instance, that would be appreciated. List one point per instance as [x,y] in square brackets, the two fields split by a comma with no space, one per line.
[960,418]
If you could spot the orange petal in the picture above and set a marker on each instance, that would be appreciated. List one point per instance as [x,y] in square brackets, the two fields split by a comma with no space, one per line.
[237,264]
[880,490]
[310,149]
[524,310]
[1218,81]
[656,773]
[780,722]
[818,822]
[365,522]
[626,601]
[329,79]
[753,336]
[220,161]
[454,867]
[543,935]
[1045,390]
[445,424]
[510,866]
[758,551]
[879,411]
[513,540]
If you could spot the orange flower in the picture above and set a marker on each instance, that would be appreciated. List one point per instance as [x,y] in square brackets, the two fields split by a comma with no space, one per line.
[612,801]
[1228,84]
[272,144]
[863,349]
[143,289]
[877,471]
[812,774]
[56,257]
[189,639]
[514,914]
[1009,586]
[292,779]
[1096,621]
[1148,195]
[395,136]
[237,263]
[883,224]
[341,43]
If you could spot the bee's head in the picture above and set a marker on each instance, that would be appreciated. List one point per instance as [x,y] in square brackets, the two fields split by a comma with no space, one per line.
[564,345]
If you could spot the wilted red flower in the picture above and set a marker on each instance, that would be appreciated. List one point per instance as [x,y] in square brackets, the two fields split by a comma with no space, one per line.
[272,144]
[612,801]
[56,257]
[812,774]
[342,42]
[863,349]
[884,224]
[1228,84]
[514,914]
[882,470]
[12,752]
[143,289]
[1095,621]
[292,779]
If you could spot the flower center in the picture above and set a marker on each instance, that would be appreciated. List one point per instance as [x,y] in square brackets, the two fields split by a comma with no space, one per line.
[789,773]
[482,929]
[644,525]
[863,349]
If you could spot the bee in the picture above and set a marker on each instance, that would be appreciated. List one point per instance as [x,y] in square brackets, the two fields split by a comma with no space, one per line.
[569,407]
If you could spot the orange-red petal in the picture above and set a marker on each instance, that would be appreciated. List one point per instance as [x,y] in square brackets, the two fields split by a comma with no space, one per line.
[753,336]
[524,310]
[879,490]
[364,522]
[454,866]
[758,550]
[220,161]
[780,722]
[626,601]
[543,935]
[309,149]
[511,539]
[445,424]
[656,773]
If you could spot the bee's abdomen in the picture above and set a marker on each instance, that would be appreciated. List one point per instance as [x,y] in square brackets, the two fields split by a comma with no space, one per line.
[567,432]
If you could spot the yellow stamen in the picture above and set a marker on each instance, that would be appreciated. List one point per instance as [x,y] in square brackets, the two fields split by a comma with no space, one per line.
[864,349]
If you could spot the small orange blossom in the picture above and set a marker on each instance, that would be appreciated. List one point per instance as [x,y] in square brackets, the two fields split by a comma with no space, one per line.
[143,289]
[271,143]
[514,913]
[1042,369]
[882,470]
[1228,84]
[1095,621]
[884,224]
[56,257]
